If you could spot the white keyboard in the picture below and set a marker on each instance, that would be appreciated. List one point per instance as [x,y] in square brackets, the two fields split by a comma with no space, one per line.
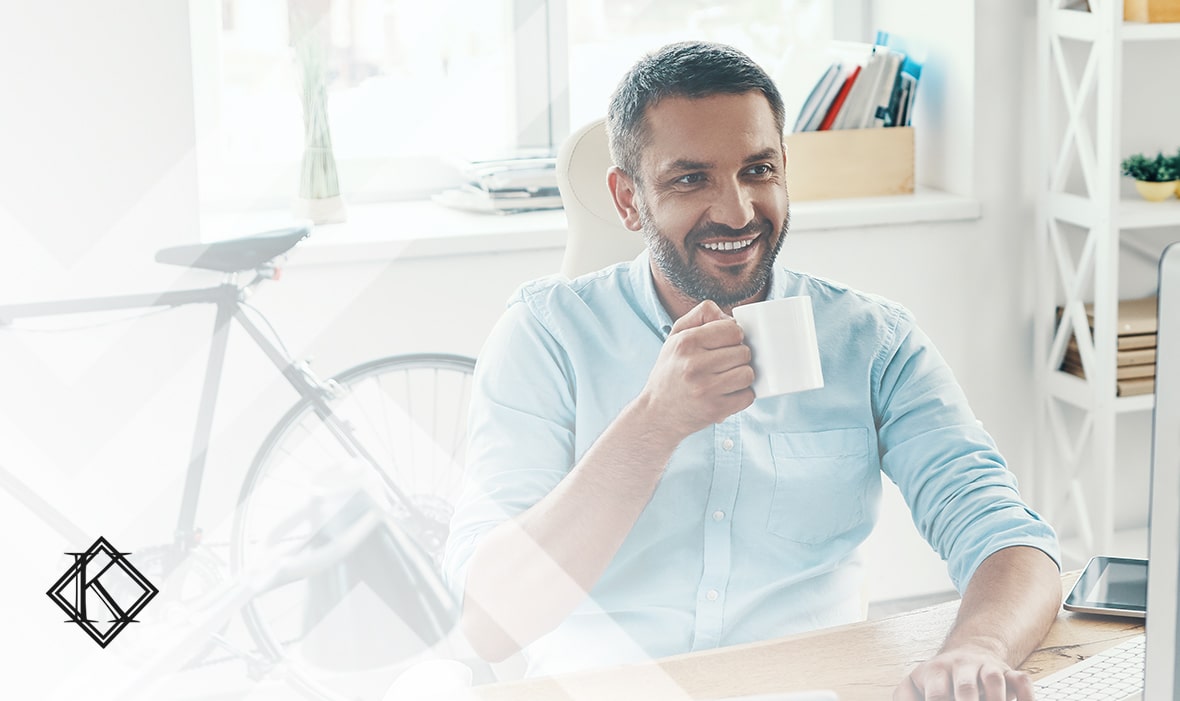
[1111,675]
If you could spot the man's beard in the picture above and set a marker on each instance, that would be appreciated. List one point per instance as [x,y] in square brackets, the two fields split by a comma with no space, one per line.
[681,270]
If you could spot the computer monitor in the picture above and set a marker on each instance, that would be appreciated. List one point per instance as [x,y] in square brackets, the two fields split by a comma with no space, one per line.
[1162,662]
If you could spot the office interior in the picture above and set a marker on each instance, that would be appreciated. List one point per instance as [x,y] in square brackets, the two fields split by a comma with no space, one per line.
[106,123]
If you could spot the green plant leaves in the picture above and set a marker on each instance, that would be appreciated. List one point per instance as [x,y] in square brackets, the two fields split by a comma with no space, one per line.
[1160,169]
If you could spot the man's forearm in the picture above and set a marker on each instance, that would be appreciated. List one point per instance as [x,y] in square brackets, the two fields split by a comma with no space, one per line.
[1009,604]
[532,571]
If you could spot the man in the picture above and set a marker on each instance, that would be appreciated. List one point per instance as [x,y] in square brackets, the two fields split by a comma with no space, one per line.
[630,497]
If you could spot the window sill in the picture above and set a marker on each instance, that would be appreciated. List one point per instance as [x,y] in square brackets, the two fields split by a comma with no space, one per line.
[405,230]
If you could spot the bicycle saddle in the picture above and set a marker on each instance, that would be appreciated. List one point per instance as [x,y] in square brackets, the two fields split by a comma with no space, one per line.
[235,255]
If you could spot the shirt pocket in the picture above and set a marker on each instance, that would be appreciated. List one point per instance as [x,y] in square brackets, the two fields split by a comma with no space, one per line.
[819,483]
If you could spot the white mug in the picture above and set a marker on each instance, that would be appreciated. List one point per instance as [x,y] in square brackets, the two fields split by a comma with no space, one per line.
[781,337]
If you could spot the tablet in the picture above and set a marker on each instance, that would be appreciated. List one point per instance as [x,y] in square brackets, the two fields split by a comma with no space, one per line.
[1113,586]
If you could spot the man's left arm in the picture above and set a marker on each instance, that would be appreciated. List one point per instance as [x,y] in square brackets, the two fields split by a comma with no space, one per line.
[965,502]
[1007,608]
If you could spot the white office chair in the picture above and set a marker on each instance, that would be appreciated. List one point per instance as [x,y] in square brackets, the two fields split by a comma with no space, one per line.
[596,237]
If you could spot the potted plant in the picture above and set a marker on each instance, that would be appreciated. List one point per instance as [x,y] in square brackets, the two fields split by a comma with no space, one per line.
[1155,178]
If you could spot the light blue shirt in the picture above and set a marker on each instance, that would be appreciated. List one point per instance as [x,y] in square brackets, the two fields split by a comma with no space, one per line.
[753,531]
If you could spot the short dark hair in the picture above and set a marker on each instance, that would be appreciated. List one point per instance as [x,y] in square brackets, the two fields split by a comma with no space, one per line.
[691,69]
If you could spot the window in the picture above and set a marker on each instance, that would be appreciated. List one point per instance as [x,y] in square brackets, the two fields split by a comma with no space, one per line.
[415,88]
[788,39]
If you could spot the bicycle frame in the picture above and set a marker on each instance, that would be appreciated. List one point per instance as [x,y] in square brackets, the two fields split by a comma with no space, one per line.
[228,298]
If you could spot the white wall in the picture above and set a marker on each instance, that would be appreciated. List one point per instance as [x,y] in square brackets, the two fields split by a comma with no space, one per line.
[97,165]
[99,136]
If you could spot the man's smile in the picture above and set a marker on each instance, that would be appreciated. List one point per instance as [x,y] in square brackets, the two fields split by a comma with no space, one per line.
[729,244]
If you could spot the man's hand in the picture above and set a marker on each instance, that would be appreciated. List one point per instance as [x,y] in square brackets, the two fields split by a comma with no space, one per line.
[1007,609]
[967,673]
[702,375]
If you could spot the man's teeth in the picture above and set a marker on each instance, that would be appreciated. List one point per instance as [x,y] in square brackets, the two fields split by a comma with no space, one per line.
[728,245]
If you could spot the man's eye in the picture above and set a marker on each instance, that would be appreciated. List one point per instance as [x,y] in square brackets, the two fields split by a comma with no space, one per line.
[762,169]
[690,179]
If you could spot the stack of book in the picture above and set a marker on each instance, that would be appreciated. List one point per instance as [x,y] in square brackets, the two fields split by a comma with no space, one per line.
[876,91]
[1135,357]
[506,186]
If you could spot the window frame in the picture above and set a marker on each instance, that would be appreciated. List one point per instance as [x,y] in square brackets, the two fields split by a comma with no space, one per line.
[541,56]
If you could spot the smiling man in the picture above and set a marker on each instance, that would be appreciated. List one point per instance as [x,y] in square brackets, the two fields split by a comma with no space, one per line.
[629,498]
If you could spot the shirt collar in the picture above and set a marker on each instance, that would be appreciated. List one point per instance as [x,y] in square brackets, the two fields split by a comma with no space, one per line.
[777,284]
[653,310]
[649,302]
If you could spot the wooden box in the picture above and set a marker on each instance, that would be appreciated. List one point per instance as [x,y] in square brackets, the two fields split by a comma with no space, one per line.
[1151,10]
[825,165]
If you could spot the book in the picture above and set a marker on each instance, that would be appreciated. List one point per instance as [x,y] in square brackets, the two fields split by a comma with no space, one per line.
[1134,356]
[838,102]
[512,173]
[852,113]
[1128,342]
[476,199]
[819,99]
[902,108]
[1131,388]
[879,112]
[878,77]
[1135,316]
[829,97]
[913,56]
[893,113]
[1126,372]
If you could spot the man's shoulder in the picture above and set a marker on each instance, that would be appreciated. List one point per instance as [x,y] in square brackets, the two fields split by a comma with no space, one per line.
[599,305]
[607,284]
[838,298]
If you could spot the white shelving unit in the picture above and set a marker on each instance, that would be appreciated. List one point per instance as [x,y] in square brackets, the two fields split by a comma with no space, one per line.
[1081,220]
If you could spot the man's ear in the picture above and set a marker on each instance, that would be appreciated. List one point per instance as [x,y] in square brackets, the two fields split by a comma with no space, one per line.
[623,191]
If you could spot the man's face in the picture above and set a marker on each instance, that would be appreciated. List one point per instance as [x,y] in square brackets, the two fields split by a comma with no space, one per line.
[712,198]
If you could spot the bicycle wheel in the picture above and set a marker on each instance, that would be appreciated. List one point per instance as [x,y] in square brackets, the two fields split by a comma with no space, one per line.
[384,601]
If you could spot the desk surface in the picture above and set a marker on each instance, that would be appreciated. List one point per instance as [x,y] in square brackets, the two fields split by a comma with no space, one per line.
[859,661]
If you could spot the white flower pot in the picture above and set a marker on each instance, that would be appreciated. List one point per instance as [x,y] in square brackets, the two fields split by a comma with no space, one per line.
[323,210]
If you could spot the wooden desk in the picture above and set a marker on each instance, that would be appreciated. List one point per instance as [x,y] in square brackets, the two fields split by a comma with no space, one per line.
[861,661]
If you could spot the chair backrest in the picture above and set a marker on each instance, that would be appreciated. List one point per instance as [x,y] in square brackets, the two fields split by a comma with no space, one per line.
[596,237]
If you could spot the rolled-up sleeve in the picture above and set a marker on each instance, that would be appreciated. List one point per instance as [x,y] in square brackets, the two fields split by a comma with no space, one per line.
[964,500]
[520,433]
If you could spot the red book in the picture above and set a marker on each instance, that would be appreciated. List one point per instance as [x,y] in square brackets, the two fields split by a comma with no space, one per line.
[836,103]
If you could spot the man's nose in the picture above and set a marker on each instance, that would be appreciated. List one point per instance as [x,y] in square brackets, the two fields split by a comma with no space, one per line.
[734,206]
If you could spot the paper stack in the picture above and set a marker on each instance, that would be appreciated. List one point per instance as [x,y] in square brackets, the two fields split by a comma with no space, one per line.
[506,186]
[1135,356]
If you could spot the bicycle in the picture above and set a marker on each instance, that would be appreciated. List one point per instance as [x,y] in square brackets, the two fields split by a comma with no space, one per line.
[385,415]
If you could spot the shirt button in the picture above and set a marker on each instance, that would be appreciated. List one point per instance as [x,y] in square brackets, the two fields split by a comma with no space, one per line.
[727,444]
[718,515]
[712,595]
